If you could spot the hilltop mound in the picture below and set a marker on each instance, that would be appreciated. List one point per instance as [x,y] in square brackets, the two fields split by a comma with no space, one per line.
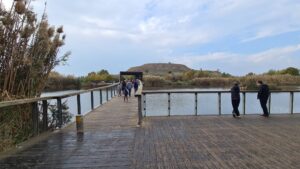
[160,68]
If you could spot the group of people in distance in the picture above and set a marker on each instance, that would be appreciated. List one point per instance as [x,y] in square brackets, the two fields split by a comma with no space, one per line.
[125,88]
[263,96]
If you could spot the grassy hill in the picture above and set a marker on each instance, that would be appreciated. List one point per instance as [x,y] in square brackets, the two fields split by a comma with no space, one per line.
[160,68]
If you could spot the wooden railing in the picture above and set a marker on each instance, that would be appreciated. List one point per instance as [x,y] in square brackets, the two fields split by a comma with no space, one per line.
[138,94]
[219,94]
[44,100]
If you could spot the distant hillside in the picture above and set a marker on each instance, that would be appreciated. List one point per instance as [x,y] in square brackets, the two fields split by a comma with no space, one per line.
[160,68]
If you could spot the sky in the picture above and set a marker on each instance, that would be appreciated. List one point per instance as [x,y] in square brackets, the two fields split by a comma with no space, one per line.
[233,36]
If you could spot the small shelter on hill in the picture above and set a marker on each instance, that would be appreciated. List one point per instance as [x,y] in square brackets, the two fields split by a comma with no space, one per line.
[137,75]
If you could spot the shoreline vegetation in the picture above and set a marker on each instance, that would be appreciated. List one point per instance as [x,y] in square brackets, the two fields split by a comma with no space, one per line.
[288,78]
[59,82]
[169,75]
[189,79]
[276,82]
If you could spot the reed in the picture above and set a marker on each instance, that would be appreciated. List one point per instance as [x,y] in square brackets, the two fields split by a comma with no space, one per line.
[28,52]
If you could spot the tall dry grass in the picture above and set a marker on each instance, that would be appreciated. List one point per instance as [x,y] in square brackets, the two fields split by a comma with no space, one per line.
[247,82]
[28,52]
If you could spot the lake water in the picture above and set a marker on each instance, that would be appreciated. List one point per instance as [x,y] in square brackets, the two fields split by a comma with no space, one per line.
[184,104]
[84,98]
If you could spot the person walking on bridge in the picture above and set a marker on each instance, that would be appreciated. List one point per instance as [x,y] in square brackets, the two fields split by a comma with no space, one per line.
[123,86]
[119,88]
[136,85]
[129,86]
[235,99]
[263,96]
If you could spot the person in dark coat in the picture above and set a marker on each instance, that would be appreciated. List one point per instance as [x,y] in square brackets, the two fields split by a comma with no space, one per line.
[235,99]
[263,96]
[129,87]
[126,92]
[136,85]
[123,86]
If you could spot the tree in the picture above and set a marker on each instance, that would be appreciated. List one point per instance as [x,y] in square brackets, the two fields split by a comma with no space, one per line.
[291,71]
[250,74]
[272,72]
[103,72]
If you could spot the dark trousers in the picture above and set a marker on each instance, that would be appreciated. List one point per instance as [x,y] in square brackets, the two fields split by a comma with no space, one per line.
[129,92]
[263,103]
[235,105]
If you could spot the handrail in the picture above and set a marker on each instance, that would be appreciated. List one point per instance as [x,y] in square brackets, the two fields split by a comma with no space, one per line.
[212,91]
[138,94]
[32,100]
[40,119]
[219,94]
[36,116]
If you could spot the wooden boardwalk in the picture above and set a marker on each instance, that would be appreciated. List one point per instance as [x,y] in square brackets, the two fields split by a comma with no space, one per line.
[112,140]
[107,142]
[218,142]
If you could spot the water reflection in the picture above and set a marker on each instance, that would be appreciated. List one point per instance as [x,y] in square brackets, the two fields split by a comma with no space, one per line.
[85,100]
[207,103]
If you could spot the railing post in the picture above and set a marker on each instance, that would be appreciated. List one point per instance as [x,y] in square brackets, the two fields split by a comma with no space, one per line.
[101,101]
[111,92]
[59,109]
[35,118]
[169,104]
[106,94]
[196,104]
[114,90]
[45,115]
[79,118]
[78,105]
[269,104]
[140,113]
[144,104]
[92,100]
[292,102]
[244,103]
[220,103]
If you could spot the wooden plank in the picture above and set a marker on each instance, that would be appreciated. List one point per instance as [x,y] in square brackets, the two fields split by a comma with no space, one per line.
[220,142]
[109,133]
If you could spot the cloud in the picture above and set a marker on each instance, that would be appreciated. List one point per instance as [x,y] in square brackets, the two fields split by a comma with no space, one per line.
[211,33]
[274,58]
[6,4]
[280,55]
[193,61]
[177,23]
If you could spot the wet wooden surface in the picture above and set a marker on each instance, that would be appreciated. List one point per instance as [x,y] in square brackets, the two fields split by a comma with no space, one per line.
[219,142]
[107,142]
[112,140]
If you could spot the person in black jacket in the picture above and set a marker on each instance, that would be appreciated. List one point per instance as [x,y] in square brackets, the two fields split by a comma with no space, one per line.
[263,96]
[235,99]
